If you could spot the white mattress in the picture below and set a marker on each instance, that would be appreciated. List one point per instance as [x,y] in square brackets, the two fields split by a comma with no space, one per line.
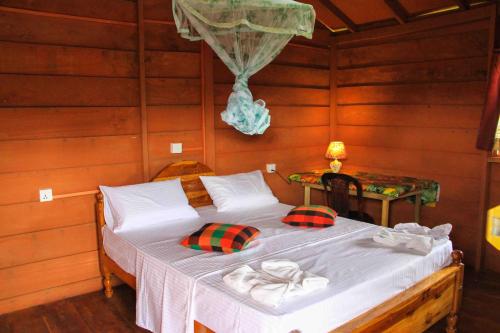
[178,285]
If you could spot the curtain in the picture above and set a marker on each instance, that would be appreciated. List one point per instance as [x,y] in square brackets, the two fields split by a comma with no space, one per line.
[491,111]
[246,36]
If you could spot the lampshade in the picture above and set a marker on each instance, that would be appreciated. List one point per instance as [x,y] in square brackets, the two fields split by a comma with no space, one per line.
[336,150]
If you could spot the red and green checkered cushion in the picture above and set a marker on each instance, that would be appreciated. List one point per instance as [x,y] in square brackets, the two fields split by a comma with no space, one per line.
[220,237]
[313,216]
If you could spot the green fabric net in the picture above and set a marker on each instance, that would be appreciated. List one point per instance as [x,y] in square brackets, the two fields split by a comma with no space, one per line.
[246,35]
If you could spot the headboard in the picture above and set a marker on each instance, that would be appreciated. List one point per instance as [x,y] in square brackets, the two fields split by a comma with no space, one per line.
[189,172]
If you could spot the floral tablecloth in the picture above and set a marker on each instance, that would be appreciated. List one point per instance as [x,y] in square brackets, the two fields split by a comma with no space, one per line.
[391,186]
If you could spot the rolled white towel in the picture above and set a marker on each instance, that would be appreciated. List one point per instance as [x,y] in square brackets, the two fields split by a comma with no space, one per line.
[422,244]
[438,232]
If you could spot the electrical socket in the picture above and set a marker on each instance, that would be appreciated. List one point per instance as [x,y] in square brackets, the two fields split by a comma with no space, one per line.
[271,167]
[46,194]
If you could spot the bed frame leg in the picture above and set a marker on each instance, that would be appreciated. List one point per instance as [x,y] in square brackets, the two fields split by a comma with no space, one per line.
[452,319]
[451,323]
[106,281]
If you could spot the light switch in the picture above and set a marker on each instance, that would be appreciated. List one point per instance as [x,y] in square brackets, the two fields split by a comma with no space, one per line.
[176,148]
[45,194]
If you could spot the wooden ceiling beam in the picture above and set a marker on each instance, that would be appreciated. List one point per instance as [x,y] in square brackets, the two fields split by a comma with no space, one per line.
[340,14]
[323,15]
[400,13]
[463,4]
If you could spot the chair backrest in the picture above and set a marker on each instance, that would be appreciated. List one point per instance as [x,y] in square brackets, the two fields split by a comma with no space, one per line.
[337,192]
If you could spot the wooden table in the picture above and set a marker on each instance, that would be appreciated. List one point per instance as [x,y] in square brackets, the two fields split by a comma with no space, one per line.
[384,198]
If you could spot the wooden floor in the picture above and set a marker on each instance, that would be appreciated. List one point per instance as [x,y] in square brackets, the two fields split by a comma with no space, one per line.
[94,313]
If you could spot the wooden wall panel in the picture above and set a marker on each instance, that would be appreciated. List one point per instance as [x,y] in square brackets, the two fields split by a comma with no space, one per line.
[173,89]
[28,155]
[44,245]
[51,273]
[164,37]
[119,10]
[69,121]
[32,28]
[32,216]
[37,90]
[464,116]
[411,106]
[160,10]
[23,58]
[462,45]
[167,91]
[172,64]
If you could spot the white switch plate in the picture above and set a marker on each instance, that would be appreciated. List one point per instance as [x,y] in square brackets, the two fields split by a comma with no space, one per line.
[45,194]
[271,167]
[176,148]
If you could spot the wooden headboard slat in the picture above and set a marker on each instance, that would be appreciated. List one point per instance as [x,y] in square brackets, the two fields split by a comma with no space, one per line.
[189,172]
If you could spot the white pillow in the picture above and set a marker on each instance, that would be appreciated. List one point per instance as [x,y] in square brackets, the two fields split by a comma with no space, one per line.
[239,191]
[137,206]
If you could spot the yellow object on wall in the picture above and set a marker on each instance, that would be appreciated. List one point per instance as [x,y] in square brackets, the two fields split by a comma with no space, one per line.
[493,227]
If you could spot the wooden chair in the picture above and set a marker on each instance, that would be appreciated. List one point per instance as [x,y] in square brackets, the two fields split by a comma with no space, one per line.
[337,196]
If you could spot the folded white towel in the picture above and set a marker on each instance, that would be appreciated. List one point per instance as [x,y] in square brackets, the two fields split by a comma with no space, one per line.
[413,236]
[420,243]
[438,232]
[276,281]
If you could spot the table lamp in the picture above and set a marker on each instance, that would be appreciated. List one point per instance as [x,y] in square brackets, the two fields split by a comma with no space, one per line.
[336,151]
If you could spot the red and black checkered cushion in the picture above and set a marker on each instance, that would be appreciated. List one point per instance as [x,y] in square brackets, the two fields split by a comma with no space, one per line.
[313,216]
[220,237]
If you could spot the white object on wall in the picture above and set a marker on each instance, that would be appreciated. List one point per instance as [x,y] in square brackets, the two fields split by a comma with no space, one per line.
[46,194]
[176,148]
[271,167]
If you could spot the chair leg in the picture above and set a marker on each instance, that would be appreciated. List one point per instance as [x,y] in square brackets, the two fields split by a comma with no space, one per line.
[108,288]
[451,323]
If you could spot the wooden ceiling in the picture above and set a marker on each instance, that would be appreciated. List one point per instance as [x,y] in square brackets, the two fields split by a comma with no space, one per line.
[343,16]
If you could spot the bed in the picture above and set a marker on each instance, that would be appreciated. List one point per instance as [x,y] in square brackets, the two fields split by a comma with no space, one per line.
[373,289]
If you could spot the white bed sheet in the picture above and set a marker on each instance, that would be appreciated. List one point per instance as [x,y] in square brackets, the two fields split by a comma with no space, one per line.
[178,285]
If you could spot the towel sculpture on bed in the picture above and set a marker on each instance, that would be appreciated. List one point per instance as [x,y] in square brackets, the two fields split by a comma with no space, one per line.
[413,236]
[277,281]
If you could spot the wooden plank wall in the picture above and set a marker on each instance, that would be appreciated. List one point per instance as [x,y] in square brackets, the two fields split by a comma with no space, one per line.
[68,120]
[410,103]
[173,89]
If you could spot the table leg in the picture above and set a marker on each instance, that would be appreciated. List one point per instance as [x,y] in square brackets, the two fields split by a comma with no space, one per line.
[418,203]
[307,195]
[385,213]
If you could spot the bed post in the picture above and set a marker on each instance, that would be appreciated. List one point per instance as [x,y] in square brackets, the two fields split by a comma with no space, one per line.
[106,280]
[451,320]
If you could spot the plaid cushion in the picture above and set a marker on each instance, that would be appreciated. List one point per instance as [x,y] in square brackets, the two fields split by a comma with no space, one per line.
[221,237]
[313,216]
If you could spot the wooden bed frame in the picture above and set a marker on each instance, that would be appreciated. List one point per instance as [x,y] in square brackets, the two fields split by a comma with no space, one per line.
[413,310]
